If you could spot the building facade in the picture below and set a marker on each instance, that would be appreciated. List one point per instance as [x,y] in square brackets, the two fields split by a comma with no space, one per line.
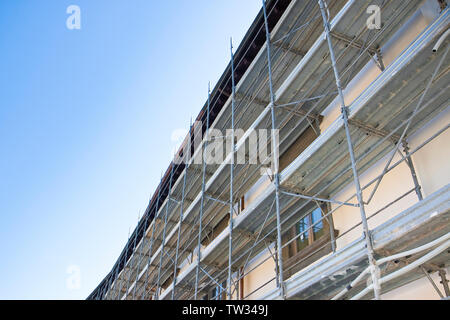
[317,169]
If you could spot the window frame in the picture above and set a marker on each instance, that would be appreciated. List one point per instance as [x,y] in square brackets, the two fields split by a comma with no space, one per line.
[295,259]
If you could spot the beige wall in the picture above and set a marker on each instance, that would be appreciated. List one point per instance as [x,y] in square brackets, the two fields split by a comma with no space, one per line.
[259,276]
[418,22]
[433,171]
[421,289]
[431,163]
[393,185]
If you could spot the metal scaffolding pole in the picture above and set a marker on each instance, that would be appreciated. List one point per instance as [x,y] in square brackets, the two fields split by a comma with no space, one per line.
[152,240]
[161,254]
[105,289]
[99,294]
[276,179]
[180,223]
[444,282]
[233,150]
[113,285]
[102,292]
[202,202]
[410,164]
[124,266]
[144,242]
[130,272]
[183,192]
[432,282]
[109,286]
[344,111]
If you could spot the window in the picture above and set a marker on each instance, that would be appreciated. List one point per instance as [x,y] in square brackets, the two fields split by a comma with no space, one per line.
[239,205]
[223,223]
[313,240]
[298,146]
[309,229]
[216,293]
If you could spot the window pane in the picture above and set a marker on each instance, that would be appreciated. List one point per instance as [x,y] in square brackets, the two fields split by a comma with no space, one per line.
[215,294]
[318,230]
[302,229]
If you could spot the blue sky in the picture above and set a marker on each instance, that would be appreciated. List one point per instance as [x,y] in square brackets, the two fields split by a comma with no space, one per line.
[86,124]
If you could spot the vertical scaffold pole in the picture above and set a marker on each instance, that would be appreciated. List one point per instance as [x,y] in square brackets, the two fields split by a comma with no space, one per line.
[202,199]
[233,147]
[187,163]
[114,283]
[344,112]
[99,294]
[130,272]
[109,286]
[104,289]
[124,265]
[274,157]
[161,254]
[144,243]
[152,240]
[410,164]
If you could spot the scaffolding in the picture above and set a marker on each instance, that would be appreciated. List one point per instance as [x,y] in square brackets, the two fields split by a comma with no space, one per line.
[305,54]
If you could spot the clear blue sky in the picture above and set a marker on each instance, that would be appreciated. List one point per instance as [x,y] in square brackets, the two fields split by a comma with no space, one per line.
[86,121]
